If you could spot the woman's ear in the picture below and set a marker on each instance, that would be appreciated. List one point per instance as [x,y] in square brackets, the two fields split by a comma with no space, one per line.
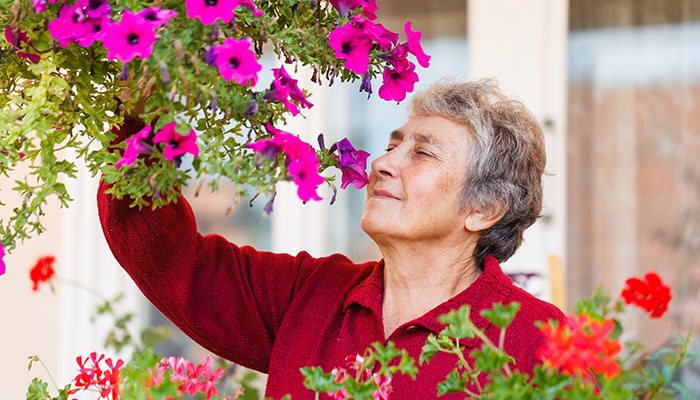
[479,221]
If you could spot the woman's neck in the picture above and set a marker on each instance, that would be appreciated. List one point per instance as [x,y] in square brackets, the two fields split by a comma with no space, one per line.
[416,280]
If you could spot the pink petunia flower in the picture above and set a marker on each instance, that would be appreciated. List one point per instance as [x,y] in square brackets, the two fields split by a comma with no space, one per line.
[397,82]
[305,173]
[18,39]
[353,164]
[93,30]
[176,145]
[294,92]
[302,163]
[345,7]
[40,5]
[97,8]
[414,46]
[352,45]
[83,23]
[376,32]
[285,87]
[2,263]
[69,23]
[209,11]
[251,6]
[237,61]
[396,57]
[157,16]
[135,146]
[281,93]
[132,36]
[369,10]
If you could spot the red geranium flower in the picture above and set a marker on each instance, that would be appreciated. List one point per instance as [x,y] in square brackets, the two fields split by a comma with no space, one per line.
[42,271]
[580,344]
[651,294]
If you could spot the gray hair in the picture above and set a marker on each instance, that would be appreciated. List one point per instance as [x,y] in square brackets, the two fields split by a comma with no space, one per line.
[506,158]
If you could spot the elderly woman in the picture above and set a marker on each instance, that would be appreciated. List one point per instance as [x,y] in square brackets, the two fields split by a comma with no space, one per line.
[450,199]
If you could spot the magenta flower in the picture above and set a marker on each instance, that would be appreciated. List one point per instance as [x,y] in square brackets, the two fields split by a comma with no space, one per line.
[369,10]
[69,23]
[302,163]
[285,87]
[83,23]
[414,46]
[305,173]
[176,145]
[93,30]
[344,7]
[157,16]
[237,61]
[396,57]
[397,82]
[251,6]
[97,8]
[266,149]
[281,93]
[40,5]
[132,36]
[294,92]
[18,39]
[377,33]
[2,263]
[353,164]
[135,146]
[209,11]
[352,45]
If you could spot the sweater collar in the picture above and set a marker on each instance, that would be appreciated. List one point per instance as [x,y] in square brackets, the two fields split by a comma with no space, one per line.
[490,287]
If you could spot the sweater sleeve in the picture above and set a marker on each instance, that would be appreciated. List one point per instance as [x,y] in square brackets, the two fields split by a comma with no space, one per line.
[229,299]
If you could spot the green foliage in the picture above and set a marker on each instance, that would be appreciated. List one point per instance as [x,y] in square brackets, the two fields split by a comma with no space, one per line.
[38,390]
[57,112]
[501,315]
[459,326]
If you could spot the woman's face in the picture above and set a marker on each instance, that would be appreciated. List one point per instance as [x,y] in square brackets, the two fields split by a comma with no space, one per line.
[413,189]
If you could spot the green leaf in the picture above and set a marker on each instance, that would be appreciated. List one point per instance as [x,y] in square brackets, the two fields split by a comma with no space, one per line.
[459,326]
[501,315]
[429,350]
[318,381]
[454,383]
[488,359]
[38,390]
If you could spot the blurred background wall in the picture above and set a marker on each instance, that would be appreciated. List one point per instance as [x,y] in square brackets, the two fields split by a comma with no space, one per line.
[616,86]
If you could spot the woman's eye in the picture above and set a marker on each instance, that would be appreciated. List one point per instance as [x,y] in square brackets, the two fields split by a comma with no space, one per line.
[423,153]
[390,148]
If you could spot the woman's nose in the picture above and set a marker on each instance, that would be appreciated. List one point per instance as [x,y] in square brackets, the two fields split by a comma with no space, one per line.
[385,165]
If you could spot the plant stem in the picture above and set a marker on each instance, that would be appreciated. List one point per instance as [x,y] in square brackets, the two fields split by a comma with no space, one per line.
[47,371]
[83,286]
[480,334]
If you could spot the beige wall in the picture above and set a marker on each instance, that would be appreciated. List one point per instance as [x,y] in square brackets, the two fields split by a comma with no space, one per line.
[29,319]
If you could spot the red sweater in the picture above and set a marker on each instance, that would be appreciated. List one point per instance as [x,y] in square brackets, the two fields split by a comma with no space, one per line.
[276,313]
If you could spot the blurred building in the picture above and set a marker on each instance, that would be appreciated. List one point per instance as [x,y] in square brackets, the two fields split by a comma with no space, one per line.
[616,85]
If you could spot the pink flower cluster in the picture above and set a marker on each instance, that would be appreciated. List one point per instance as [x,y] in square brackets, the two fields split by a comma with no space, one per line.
[88,21]
[302,163]
[354,41]
[92,375]
[356,362]
[191,378]
[208,11]
[176,145]
[284,89]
